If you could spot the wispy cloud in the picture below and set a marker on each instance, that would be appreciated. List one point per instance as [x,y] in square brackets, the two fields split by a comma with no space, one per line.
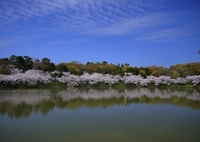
[91,17]
[189,31]
[60,42]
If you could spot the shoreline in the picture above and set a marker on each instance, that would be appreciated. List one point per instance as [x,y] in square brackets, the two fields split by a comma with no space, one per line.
[58,85]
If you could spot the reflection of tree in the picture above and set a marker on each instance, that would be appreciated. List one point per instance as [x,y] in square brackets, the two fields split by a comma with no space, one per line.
[60,103]
[73,100]
[4,107]
[20,110]
[46,106]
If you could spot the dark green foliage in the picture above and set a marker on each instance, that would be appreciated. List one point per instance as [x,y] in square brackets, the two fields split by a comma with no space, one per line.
[28,63]
[12,59]
[4,66]
[134,70]
[4,62]
[19,62]
[3,71]
[62,67]
[46,65]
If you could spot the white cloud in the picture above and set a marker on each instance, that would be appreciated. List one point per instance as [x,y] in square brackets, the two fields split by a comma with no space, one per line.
[74,41]
[91,17]
[74,11]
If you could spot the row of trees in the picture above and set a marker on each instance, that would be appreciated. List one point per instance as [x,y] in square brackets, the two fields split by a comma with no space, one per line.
[37,77]
[25,63]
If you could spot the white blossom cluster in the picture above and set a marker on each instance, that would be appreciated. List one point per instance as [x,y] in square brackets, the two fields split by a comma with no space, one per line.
[32,77]
[95,78]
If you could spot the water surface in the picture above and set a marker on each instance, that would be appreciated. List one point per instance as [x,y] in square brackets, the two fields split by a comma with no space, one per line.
[72,115]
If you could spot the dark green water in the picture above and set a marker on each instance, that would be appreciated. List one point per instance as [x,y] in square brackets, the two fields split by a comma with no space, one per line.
[99,115]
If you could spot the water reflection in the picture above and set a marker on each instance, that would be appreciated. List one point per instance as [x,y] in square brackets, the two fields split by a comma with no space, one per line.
[21,103]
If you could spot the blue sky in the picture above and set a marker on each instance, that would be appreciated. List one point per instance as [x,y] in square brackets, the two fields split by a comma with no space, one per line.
[138,32]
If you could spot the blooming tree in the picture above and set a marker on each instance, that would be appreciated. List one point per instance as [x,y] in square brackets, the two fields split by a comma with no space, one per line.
[32,77]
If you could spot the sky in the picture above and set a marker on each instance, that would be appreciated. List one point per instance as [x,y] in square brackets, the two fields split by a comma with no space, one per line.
[137,32]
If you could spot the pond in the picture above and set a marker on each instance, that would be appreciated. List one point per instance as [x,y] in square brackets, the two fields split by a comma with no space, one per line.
[114,115]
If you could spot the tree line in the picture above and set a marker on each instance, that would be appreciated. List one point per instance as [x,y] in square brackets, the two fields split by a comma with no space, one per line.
[25,63]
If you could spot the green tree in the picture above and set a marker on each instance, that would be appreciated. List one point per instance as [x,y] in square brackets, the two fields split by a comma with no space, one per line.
[4,63]
[109,69]
[174,74]
[12,59]
[52,67]
[142,73]
[125,68]
[62,67]
[28,63]
[46,65]
[197,70]
[20,62]
[75,67]
[158,71]
[91,67]
[182,70]
[134,70]
[46,61]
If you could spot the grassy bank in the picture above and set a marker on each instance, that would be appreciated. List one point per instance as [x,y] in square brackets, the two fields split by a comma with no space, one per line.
[118,86]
